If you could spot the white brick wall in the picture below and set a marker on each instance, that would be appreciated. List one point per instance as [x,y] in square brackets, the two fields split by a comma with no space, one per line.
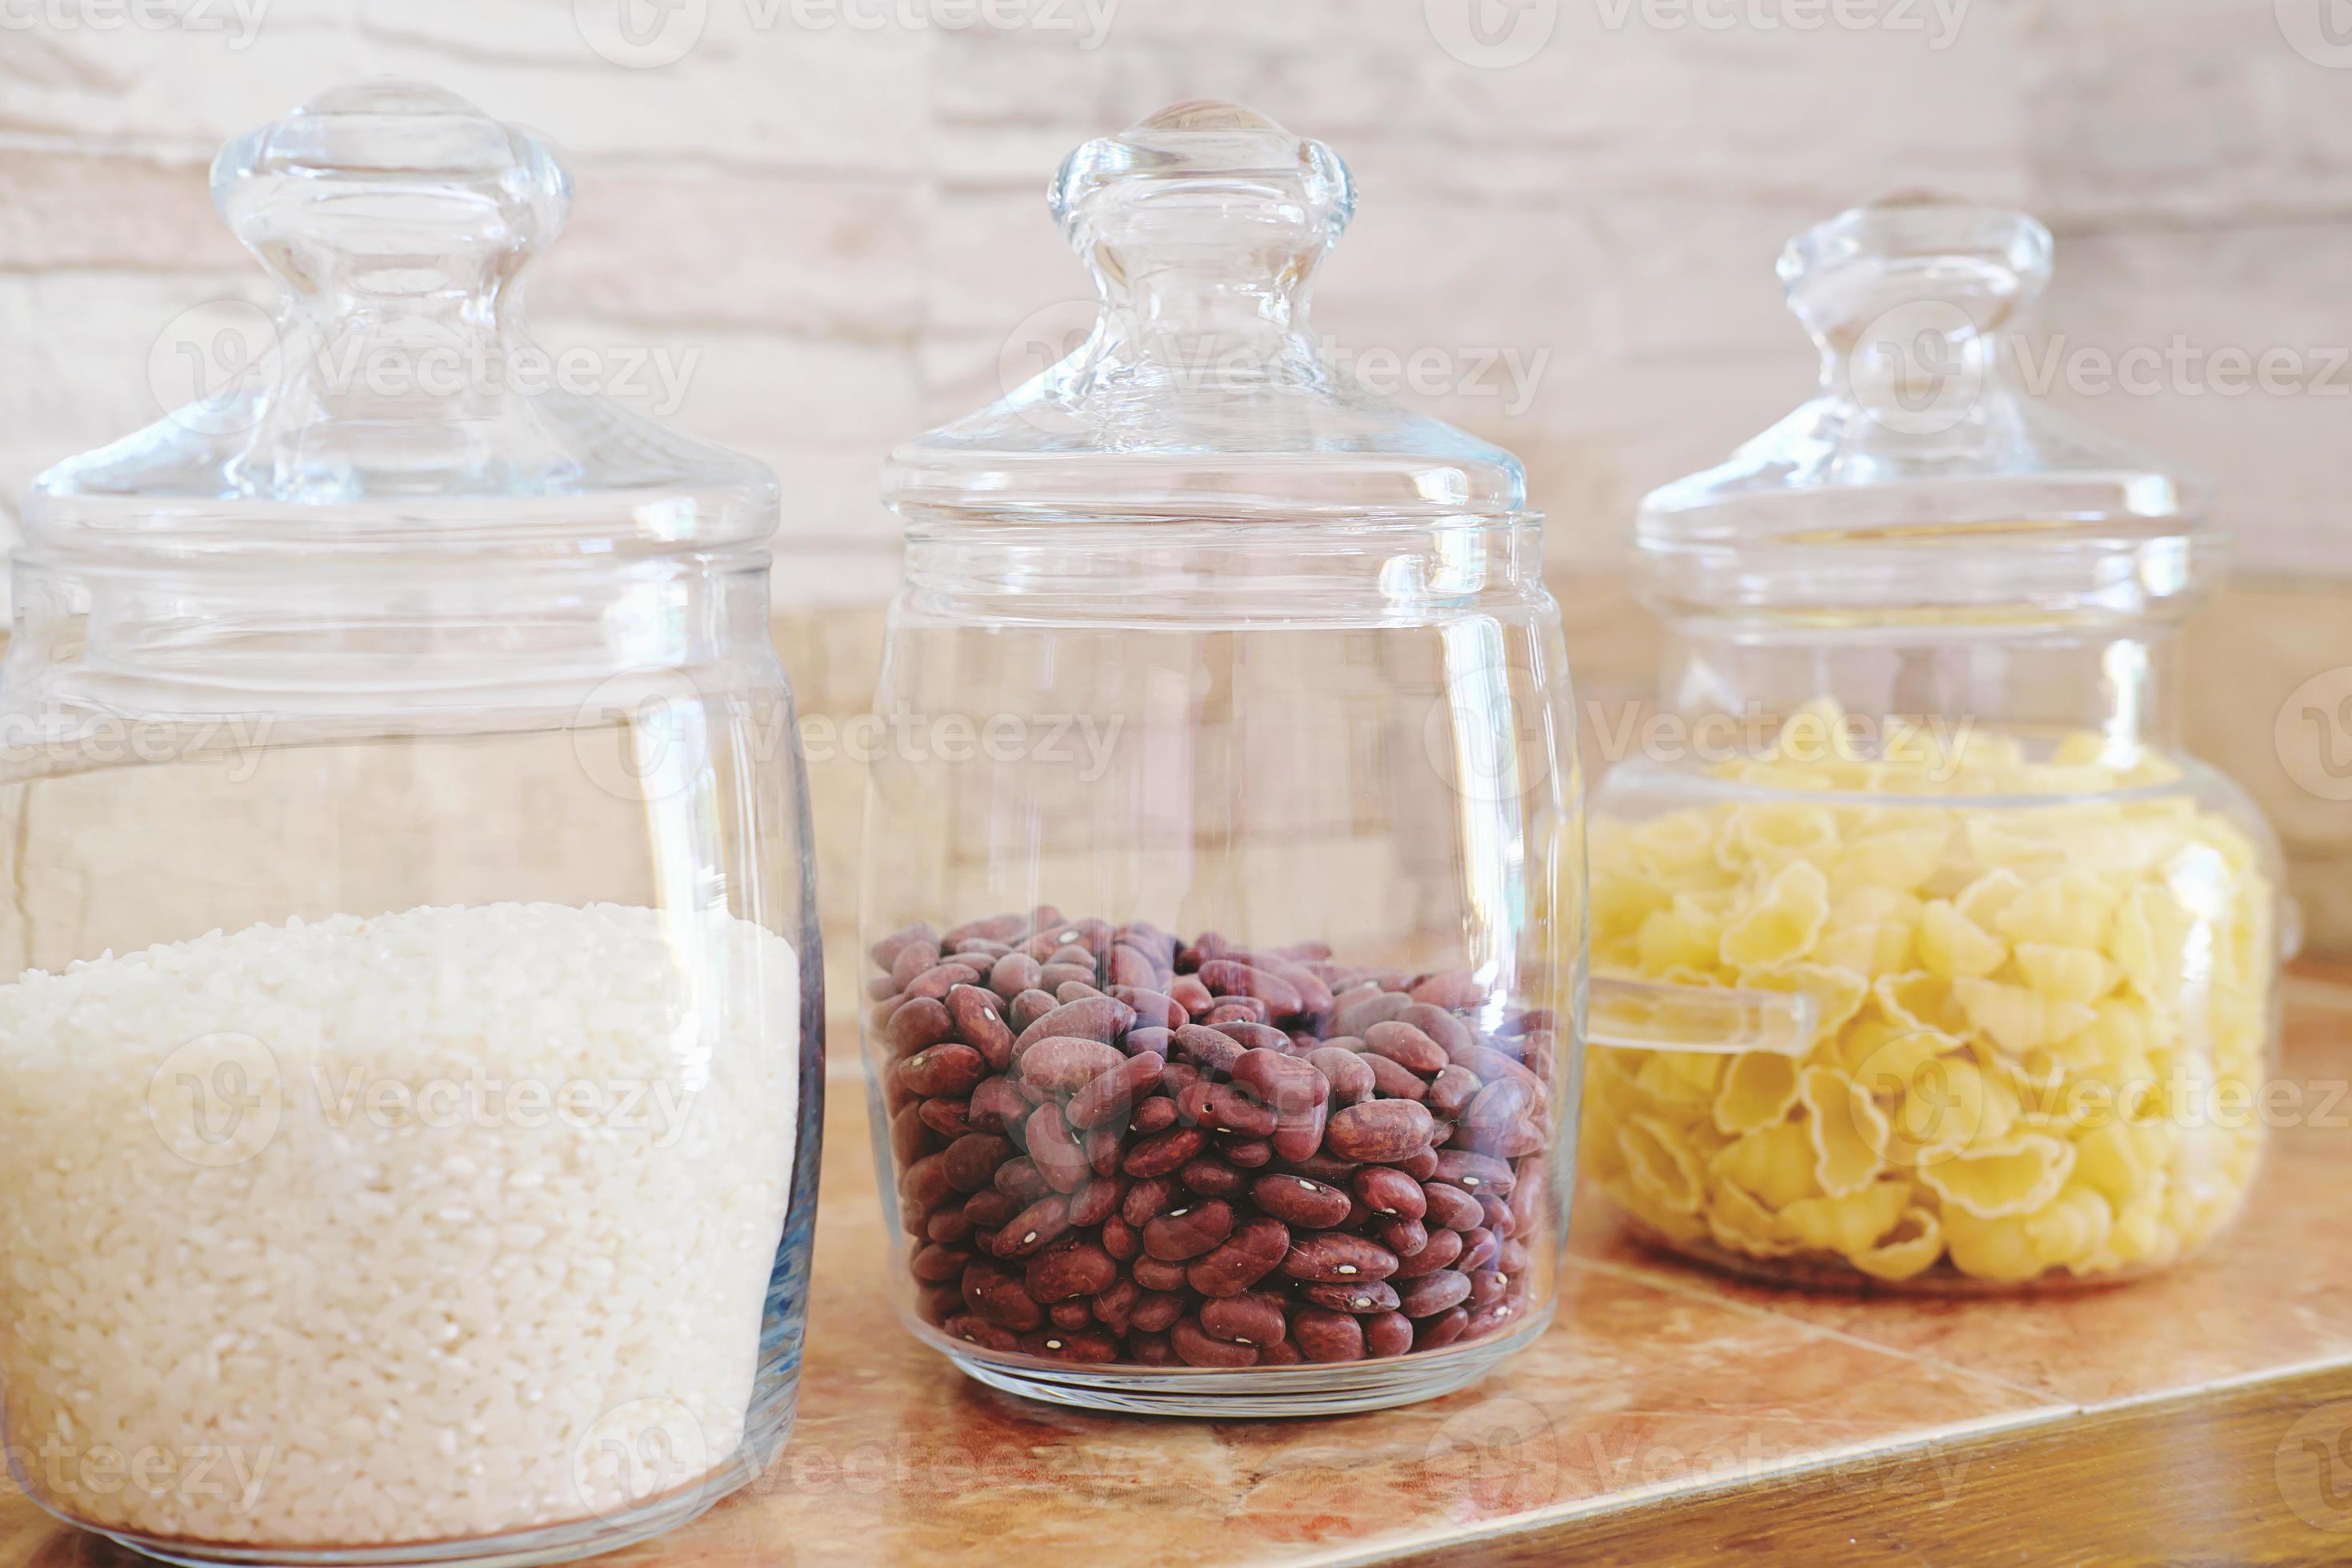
[845,223]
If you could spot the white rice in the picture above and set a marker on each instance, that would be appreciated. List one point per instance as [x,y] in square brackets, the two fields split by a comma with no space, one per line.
[478,1241]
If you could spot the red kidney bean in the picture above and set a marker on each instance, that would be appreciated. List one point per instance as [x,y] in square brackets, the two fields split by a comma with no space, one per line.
[1494,1066]
[950,1119]
[1060,1064]
[1112,1094]
[1407,1046]
[913,959]
[1450,1032]
[1225,1108]
[919,1022]
[995,1104]
[1497,1107]
[1451,1207]
[1211,1177]
[910,1135]
[1282,1353]
[1066,1344]
[972,1160]
[1154,1275]
[1099,1018]
[1147,1199]
[934,1264]
[1155,1007]
[1248,1153]
[1013,973]
[992,1209]
[1387,1333]
[1379,1296]
[1348,1074]
[1325,1167]
[1188,1231]
[1147,1039]
[1394,1080]
[1255,1036]
[1441,1331]
[973,1328]
[1252,1317]
[1300,1201]
[1338,1257]
[1097,1201]
[1475,1173]
[1056,1150]
[1324,1335]
[1195,1348]
[1151,1348]
[1514,1258]
[947,1226]
[1027,1008]
[1298,1137]
[1440,1251]
[1071,1316]
[979,1023]
[1070,1270]
[1454,1090]
[1253,1251]
[1484,1320]
[1127,965]
[1387,1191]
[1480,1247]
[1162,1154]
[1403,1236]
[1227,978]
[926,1183]
[1020,1178]
[938,980]
[1454,990]
[1379,1130]
[1103,1147]
[1120,1239]
[1114,1306]
[1187,992]
[886,952]
[1156,1312]
[1154,1115]
[1000,1297]
[1496,1214]
[1355,1017]
[1422,1166]
[1433,1293]
[1486,1288]
[1034,1228]
[1283,1083]
[1236,1010]
[1210,1049]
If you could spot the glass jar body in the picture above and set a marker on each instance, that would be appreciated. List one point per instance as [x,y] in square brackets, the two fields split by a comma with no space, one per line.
[2043,949]
[417,979]
[1186,766]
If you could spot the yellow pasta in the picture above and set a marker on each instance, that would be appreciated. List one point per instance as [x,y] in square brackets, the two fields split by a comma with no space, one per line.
[1782,925]
[2027,1014]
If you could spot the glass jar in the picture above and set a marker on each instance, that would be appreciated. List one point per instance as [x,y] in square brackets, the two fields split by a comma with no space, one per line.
[1215,1042]
[1914,763]
[411,1076]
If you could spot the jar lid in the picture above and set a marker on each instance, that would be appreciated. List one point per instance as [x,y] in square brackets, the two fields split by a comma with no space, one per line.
[1201,391]
[1921,476]
[396,402]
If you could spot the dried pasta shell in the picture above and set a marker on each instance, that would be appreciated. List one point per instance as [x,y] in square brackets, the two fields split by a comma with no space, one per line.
[1956,947]
[2013,1176]
[1848,1130]
[1907,1250]
[1851,1224]
[2017,1019]
[1759,1090]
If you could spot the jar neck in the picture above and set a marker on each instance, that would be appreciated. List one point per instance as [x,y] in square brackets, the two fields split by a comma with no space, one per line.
[2121,684]
[1195,574]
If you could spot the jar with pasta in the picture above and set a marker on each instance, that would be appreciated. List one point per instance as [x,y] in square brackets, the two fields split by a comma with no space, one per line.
[1910,797]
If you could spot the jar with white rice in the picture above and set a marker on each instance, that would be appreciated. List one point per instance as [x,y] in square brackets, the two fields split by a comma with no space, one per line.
[410,1081]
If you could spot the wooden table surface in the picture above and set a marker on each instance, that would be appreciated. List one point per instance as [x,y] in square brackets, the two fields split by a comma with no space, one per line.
[1666,1415]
